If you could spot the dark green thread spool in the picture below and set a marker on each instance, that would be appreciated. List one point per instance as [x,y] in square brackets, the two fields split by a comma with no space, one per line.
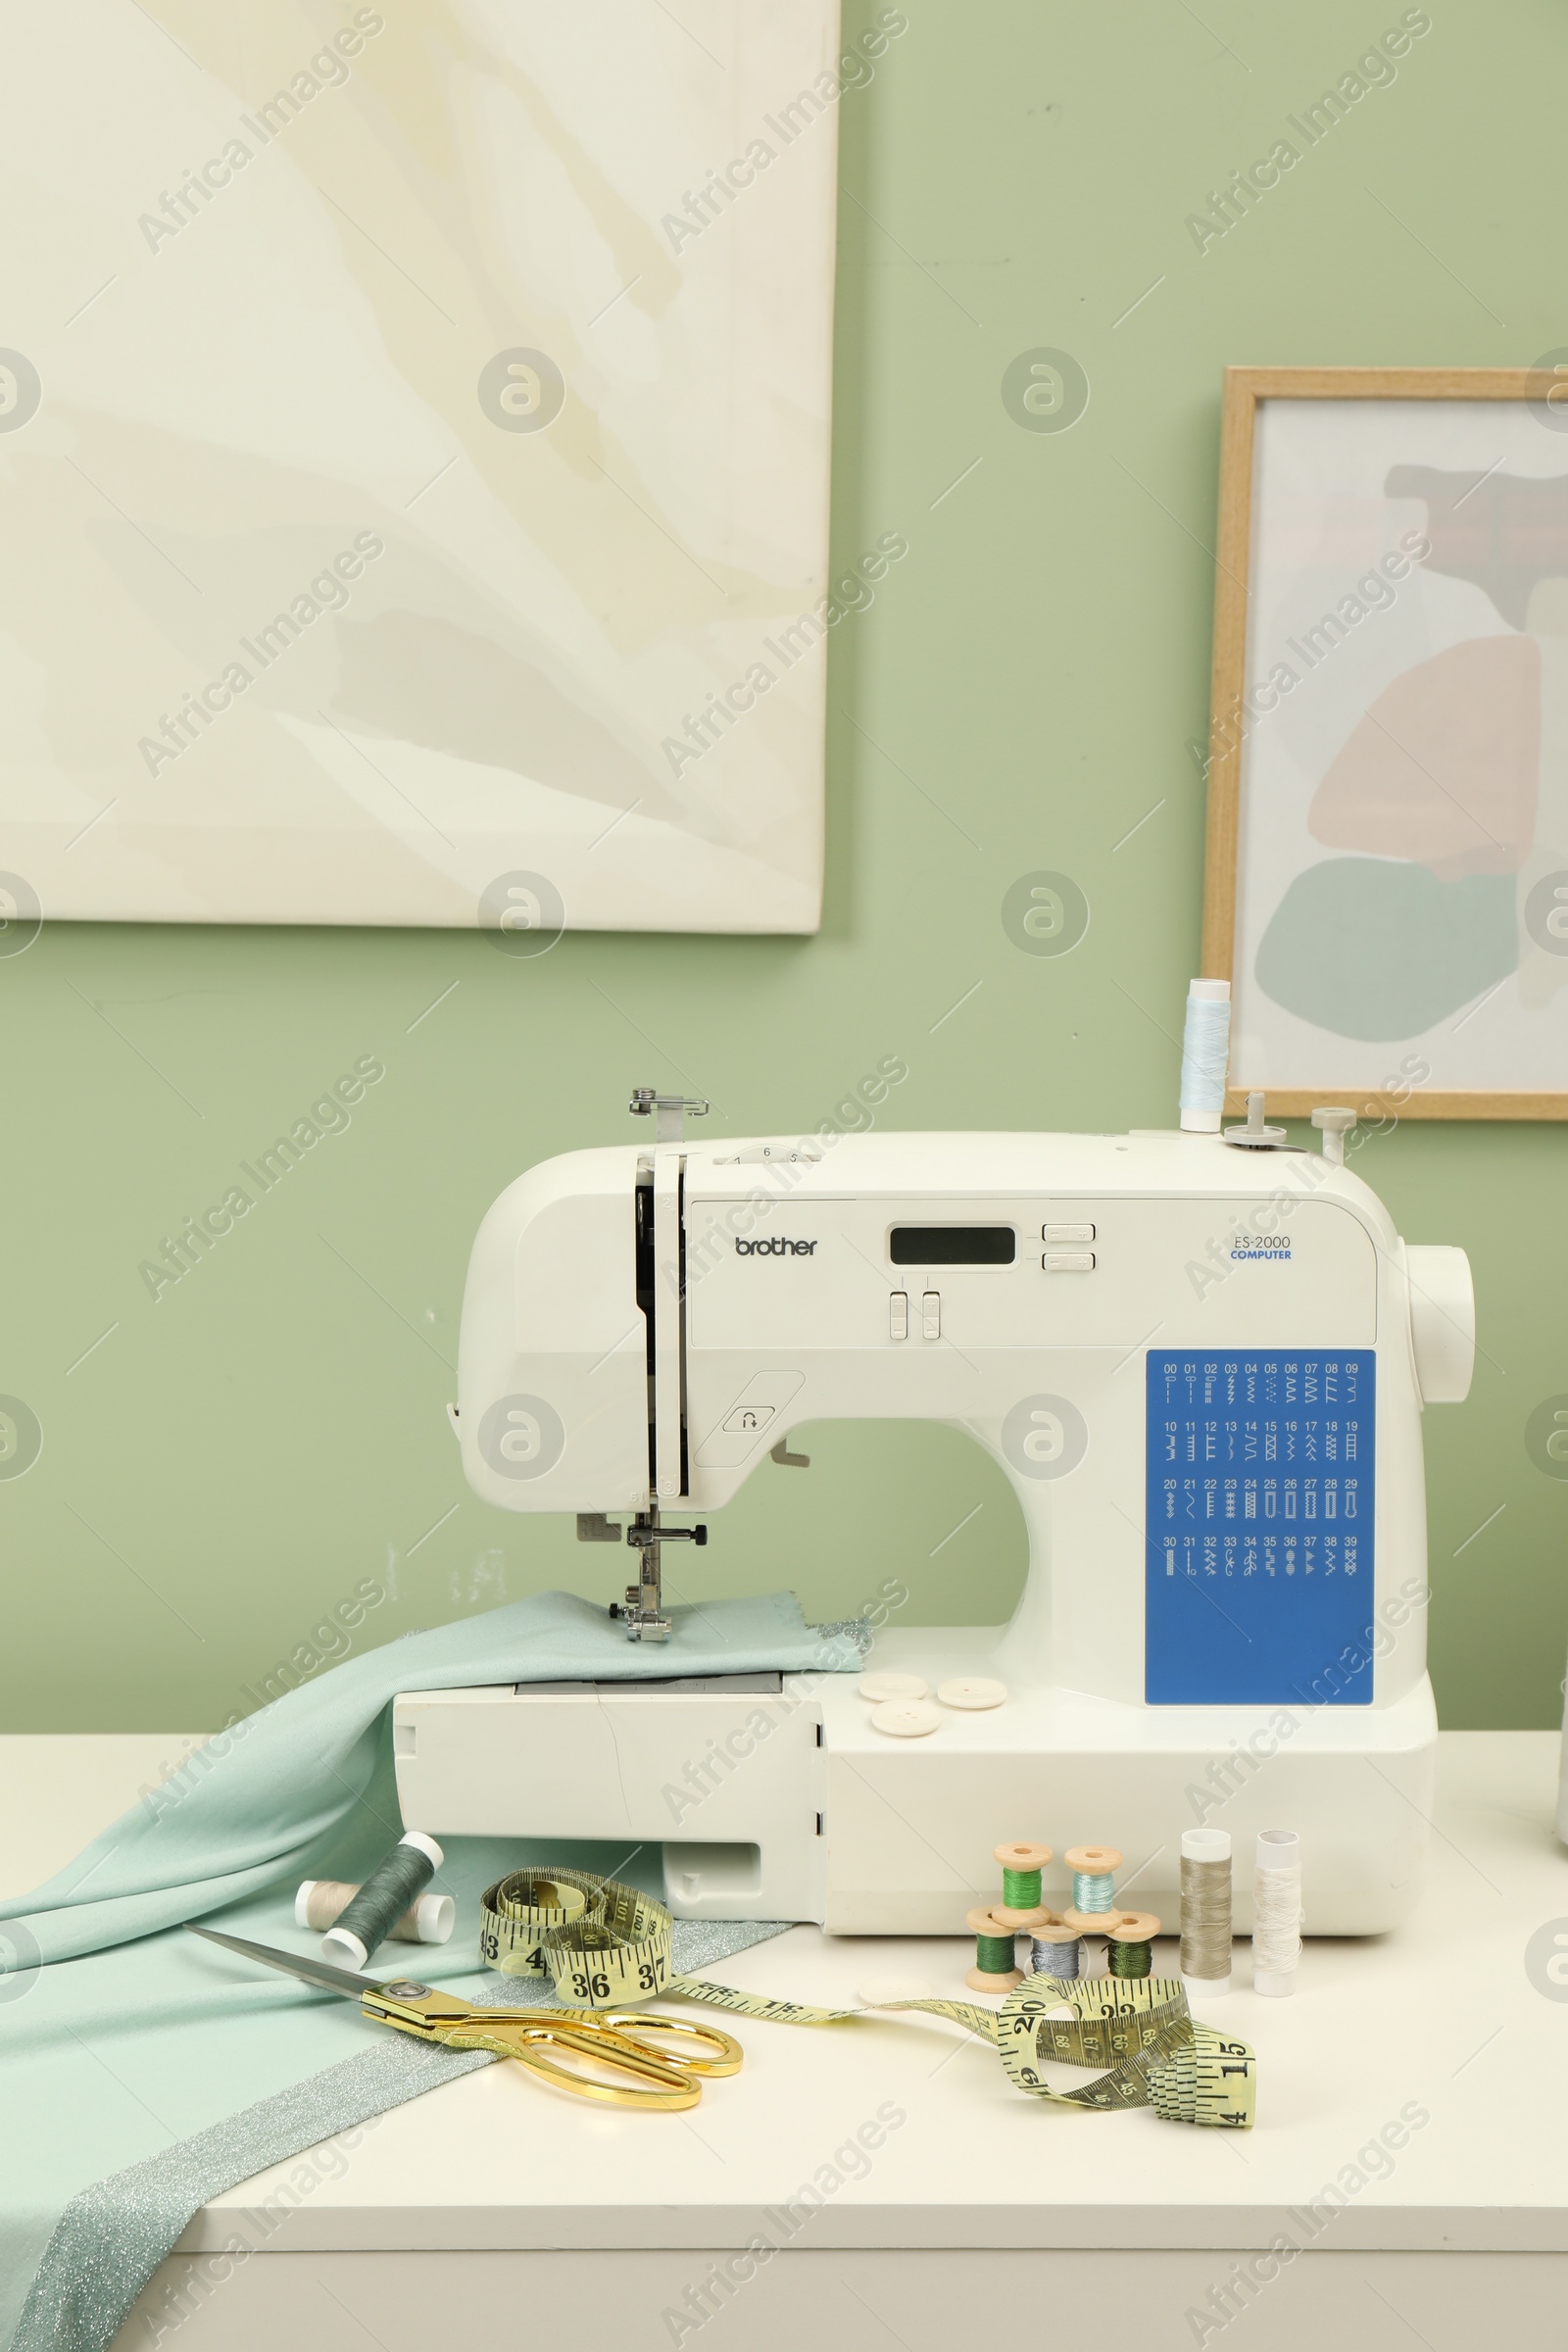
[1130,1943]
[995,1969]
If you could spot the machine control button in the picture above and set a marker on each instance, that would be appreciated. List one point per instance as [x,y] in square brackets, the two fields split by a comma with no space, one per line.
[880,1686]
[733,1437]
[749,1418]
[931,1312]
[1068,1233]
[906,1718]
[898,1315]
[972,1690]
[1068,1261]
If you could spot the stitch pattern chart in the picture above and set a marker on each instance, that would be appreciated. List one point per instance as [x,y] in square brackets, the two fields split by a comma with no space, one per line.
[1258,1556]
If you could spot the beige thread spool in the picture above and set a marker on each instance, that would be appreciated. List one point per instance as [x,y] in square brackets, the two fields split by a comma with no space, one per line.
[992,1927]
[1206,1954]
[430,1920]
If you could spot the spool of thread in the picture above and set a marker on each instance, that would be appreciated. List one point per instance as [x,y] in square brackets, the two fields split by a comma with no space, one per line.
[1056,1952]
[1276,1912]
[1093,1877]
[1130,1943]
[322,1901]
[1205,1958]
[391,1888]
[1021,1866]
[993,1969]
[1206,1055]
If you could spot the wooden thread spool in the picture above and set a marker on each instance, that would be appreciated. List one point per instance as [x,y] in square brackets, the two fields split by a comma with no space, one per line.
[1127,1941]
[1055,1951]
[994,1970]
[1021,1866]
[1094,1882]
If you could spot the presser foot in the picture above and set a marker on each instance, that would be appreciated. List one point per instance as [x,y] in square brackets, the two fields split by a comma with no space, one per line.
[643,1610]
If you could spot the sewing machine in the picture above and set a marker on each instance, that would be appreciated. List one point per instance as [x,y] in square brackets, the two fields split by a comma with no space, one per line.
[1201,1361]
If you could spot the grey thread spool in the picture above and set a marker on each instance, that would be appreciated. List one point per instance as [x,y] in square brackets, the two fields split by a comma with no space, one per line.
[389,1890]
[1053,1952]
[321,1902]
[1205,1956]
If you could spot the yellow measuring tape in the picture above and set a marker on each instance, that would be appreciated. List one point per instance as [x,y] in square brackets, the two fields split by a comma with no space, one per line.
[603,1945]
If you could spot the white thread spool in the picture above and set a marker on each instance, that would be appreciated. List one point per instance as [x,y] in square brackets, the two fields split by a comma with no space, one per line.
[1206,1055]
[1206,1954]
[1276,1912]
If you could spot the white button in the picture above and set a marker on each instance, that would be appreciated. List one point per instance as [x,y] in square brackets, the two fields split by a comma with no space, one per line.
[906,1718]
[898,1315]
[877,1686]
[1068,1261]
[972,1690]
[931,1307]
[1068,1233]
[750,1417]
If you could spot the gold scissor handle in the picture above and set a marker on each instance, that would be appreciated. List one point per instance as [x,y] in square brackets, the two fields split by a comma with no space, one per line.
[636,2075]
[698,2049]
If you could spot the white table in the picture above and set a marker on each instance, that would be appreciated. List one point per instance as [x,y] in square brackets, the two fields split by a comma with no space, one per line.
[491,2206]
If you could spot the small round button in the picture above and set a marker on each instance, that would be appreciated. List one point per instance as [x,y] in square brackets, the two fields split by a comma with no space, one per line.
[878,1686]
[972,1690]
[906,1718]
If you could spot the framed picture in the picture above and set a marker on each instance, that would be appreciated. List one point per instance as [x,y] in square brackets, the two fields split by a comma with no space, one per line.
[1386,875]
[414,464]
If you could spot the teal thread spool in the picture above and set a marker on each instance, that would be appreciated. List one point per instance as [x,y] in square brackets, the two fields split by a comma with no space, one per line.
[993,1969]
[1093,1878]
[1130,1943]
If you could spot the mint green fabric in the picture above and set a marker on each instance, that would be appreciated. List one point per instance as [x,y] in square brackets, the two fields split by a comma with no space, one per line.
[120,2037]
[255,1802]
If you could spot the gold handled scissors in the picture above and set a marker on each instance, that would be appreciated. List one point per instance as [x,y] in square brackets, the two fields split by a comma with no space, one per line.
[627,2057]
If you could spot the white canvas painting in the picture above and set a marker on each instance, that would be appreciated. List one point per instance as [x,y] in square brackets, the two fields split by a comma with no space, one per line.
[414,434]
[1402,885]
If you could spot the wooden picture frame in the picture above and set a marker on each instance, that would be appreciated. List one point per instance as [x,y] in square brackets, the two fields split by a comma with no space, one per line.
[1432,843]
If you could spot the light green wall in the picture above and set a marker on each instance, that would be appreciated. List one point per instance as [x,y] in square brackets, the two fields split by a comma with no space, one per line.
[236,1457]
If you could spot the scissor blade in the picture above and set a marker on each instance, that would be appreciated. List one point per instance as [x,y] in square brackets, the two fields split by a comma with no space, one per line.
[313,1972]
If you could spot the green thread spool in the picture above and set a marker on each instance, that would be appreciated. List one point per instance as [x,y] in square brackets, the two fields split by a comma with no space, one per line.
[1127,1959]
[1130,1943]
[995,1969]
[1021,1866]
[994,1954]
[397,1881]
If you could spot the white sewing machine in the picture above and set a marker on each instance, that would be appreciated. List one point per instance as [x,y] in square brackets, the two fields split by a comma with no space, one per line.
[1201,1362]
